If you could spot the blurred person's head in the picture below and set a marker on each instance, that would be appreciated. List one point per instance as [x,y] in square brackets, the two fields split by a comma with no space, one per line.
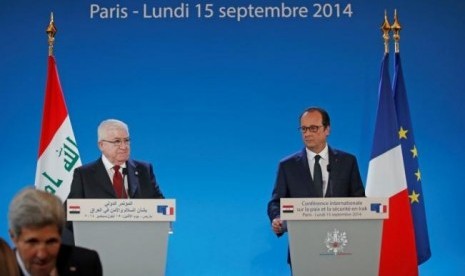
[36,220]
[8,264]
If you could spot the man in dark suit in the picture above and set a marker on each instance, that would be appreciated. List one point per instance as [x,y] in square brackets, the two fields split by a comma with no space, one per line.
[99,179]
[36,220]
[113,175]
[336,173]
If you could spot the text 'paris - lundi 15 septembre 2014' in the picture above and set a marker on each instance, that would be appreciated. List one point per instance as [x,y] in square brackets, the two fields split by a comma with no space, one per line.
[211,11]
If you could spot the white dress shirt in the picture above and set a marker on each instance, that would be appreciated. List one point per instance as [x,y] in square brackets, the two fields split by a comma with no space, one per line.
[324,161]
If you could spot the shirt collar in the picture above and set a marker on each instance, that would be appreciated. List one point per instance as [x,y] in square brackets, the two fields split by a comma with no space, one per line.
[323,153]
[108,165]
[21,264]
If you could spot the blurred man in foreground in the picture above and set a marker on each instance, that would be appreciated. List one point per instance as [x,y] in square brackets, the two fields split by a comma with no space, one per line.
[36,221]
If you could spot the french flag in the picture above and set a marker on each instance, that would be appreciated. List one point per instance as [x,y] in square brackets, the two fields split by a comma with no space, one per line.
[165,210]
[378,208]
[386,178]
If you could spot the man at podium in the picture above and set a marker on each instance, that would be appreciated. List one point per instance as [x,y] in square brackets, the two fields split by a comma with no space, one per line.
[114,174]
[318,170]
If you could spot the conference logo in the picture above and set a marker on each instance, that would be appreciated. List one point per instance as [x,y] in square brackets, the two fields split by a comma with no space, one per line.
[335,242]
[165,210]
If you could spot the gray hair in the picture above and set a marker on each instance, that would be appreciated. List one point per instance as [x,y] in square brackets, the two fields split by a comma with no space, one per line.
[109,124]
[35,208]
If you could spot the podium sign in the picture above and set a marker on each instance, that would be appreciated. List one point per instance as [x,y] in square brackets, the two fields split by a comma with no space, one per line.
[334,236]
[130,235]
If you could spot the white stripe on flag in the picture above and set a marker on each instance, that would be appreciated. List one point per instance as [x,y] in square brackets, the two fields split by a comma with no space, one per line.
[386,176]
[56,165]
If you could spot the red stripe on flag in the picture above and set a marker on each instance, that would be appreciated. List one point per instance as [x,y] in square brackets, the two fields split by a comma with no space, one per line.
[55,111]
[398,254]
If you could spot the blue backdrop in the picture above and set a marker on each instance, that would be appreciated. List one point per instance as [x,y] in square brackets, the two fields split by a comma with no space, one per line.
[214,102]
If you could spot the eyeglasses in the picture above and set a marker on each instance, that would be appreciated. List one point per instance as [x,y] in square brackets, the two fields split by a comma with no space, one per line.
[119,142]
[311,128]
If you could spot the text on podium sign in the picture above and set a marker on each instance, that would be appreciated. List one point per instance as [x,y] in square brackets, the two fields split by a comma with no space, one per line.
[340,208]
[121,210]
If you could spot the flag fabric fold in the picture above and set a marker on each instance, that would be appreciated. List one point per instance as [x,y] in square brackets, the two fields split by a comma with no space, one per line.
[412,171]
[58,152]
[386,178]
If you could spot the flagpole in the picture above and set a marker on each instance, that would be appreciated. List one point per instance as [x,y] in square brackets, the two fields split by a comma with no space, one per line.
[396,30]
[51,31]
[386,28]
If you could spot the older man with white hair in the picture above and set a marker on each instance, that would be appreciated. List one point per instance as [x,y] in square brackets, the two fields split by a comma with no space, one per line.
[114,174]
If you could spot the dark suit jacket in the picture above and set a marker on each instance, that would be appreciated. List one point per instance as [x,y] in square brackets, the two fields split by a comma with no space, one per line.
[92,181]
[73,260]
[294,179]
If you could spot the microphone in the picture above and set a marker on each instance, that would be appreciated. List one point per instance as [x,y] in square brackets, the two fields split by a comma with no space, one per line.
[328,168]
[125,174]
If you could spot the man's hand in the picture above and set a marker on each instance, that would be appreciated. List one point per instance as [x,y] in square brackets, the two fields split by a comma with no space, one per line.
[277,226]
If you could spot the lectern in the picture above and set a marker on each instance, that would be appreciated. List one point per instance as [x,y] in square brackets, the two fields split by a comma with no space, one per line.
[130,235]
[334,236]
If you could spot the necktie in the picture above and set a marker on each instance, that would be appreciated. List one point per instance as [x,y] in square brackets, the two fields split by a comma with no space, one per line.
[317,176]
[118,183]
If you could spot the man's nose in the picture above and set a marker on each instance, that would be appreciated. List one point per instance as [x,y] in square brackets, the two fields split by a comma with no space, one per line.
[42,252]
[124,145]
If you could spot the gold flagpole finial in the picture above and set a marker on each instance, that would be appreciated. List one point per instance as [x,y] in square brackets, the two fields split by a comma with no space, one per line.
[385,28]
[51,31]
[396,30]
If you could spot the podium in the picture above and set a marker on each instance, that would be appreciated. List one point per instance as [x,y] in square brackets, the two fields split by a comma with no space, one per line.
[334,236]
[130,235]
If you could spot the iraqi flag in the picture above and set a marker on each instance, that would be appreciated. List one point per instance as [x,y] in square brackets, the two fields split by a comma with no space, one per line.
[58,152]
[288,208]
[386,178]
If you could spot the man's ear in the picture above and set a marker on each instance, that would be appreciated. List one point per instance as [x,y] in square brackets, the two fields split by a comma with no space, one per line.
[12,236]
[100,145]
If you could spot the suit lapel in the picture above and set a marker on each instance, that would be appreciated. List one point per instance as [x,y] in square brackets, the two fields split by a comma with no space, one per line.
[305,173]
[133,179]
[101,176]
[334,164]
[67,261]
[333,161]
